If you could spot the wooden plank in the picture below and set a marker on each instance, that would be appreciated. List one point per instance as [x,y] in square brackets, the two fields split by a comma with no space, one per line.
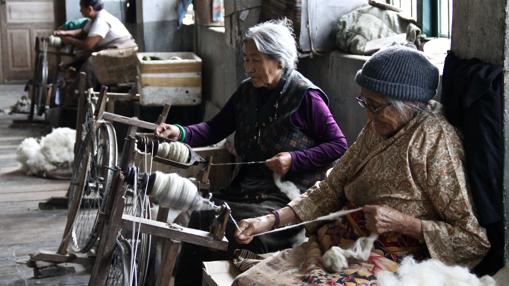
[59,258]
[184,234]
[9,146]
[31,196]
[128,121]
[171,82]
[18,187]
[31,12]
[8,156]
[11,138]
[8,169]
[170,68]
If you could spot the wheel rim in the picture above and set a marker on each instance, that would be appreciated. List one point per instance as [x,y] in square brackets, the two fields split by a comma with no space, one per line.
[102,154]
[118,274]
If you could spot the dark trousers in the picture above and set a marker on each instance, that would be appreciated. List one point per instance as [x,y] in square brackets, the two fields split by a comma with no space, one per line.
[189,266]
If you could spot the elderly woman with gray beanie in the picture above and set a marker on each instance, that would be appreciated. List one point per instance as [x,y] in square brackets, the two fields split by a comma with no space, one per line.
[405,176]
[281,121]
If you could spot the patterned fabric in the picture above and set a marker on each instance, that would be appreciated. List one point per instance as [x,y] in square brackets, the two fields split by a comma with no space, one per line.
[265,131]
[341,233]
[419,172]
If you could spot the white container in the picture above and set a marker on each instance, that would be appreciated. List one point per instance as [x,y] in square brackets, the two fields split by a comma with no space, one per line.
[173,78]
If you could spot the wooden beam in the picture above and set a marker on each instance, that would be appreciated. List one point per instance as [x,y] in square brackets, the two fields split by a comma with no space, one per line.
[128,121]
[59,258]
[179,233]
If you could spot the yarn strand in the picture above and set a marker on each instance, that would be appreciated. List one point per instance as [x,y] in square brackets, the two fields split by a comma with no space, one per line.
[331,216]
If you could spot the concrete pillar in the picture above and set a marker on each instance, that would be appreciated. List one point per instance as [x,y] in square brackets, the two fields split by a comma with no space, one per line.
[479,30]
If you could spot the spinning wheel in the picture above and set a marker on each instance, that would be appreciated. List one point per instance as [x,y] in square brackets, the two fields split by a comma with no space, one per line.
[39,88]
[91,181]
[100,150]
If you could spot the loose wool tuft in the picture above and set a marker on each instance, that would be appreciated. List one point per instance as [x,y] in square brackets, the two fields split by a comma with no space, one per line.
[52,152]
[288,188]
[431,272]
[336,258]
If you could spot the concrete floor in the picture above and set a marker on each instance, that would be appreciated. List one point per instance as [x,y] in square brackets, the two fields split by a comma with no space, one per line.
[24,228]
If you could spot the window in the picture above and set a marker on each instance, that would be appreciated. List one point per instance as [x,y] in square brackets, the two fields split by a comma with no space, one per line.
[433,16]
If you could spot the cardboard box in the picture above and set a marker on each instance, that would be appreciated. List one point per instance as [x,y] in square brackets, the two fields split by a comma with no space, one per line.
[169,78]
[219,273]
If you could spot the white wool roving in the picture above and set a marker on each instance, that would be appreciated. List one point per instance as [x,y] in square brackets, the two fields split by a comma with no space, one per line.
[54,150]
[287,187]
[431,272]
[178,193]
[336,258]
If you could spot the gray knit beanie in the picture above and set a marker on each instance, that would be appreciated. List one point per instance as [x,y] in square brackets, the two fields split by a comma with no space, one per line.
[401,73]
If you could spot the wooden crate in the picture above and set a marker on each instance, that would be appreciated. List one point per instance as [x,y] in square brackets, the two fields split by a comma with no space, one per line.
[174,78]
[115,66]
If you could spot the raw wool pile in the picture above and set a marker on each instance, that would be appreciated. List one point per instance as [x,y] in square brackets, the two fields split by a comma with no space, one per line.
[431,272]
[52,152]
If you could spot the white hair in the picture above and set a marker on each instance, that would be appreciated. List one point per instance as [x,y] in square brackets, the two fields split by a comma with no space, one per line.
[403,106]
[275,39]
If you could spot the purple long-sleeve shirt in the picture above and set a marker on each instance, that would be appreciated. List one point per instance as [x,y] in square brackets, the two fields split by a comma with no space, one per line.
[313,117]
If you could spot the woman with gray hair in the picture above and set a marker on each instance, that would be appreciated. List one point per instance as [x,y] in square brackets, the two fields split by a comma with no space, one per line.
[404,176]
[280,119]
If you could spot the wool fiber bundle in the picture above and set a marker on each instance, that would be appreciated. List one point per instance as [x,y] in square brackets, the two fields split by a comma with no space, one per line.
[52,152]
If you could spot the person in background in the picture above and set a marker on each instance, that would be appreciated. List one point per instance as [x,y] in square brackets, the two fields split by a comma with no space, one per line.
[405,171]
[280,118]
[103,31]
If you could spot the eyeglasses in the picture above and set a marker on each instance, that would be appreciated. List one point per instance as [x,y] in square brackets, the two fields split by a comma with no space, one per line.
[361,100]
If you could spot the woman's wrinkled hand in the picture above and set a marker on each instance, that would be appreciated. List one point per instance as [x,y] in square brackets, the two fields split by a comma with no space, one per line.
[280,164]
[251,226]
[169,131]
[381,219]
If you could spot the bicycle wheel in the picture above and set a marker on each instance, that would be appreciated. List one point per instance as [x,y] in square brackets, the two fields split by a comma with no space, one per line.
[118,274]
[102,156]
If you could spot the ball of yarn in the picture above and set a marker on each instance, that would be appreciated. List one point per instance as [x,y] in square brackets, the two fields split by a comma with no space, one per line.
[175,192]
[174,151]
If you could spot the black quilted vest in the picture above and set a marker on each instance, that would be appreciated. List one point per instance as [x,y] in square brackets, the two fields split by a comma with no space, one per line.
[263,131]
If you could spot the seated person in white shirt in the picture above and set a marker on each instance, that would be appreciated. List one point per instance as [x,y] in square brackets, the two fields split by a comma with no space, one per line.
[104,31]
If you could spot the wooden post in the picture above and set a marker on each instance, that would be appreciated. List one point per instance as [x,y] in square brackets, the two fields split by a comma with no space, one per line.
[168,260]
[101,102]
[164,114]
[114,211]
[109,234]
[82,110]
